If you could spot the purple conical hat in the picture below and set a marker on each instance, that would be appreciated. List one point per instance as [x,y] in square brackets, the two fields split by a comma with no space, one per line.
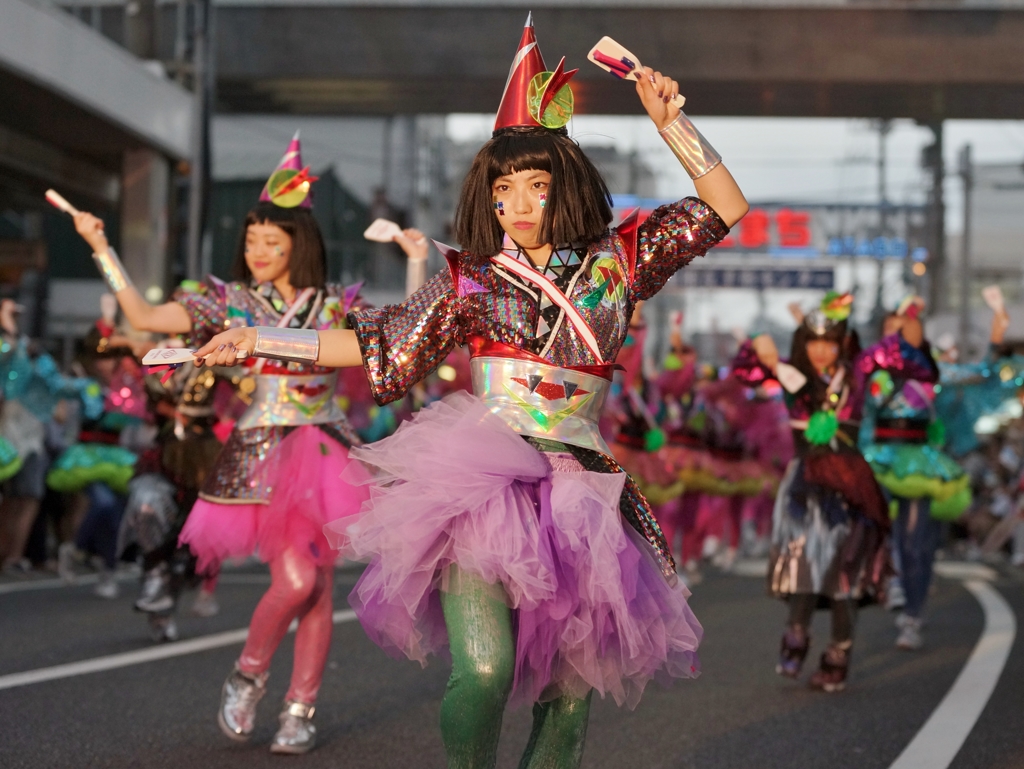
[289,185]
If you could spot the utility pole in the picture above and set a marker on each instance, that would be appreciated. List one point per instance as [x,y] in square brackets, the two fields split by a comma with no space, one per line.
[967,176]
[878,313]
[932,159]
[202,82]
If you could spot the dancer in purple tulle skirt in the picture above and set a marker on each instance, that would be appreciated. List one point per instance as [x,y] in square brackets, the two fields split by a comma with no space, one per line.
[499,529]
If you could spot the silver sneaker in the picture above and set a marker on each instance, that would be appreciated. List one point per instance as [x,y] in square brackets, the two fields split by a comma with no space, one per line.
[910,638]
[205,604]
[66,559]
[162,628]
[297,733]
[895,598]
[238,700]
[107,587]
[156,591]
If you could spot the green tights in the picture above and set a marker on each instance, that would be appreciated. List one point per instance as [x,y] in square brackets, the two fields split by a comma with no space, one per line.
[483,663]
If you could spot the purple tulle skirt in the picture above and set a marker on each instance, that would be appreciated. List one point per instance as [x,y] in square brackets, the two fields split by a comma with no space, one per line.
[457,486]
[305,472]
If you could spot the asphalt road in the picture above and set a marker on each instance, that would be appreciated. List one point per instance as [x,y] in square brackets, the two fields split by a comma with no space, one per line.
[377,712]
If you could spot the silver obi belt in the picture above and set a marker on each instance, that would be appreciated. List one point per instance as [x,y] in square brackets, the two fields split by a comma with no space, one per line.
[292,400]
[542,400]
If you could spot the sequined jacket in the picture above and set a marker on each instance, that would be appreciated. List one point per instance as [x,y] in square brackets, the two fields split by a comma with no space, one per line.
[215,305]
[477,298]
[403,343]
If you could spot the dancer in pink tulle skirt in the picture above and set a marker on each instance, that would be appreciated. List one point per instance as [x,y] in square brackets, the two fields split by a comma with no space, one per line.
[278,480]
[499,529]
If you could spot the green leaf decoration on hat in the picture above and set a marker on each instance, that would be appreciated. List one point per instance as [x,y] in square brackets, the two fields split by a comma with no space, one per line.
[286,189]
[837,307]
[672,362]
[654,439]
[549,97]
[821,428]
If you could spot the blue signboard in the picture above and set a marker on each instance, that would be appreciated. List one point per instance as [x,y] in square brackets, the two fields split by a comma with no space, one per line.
[819,278]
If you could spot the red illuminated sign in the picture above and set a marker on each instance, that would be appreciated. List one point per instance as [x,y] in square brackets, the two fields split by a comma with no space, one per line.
[792,229]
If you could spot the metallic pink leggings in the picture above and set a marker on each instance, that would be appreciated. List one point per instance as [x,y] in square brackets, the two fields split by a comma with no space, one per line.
[298,588]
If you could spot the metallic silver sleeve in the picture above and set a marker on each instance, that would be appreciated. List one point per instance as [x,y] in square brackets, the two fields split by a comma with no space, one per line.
[112,270]
[697,156]
[301,345]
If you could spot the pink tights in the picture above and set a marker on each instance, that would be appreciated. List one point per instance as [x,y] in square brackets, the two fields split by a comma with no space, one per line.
[298,588]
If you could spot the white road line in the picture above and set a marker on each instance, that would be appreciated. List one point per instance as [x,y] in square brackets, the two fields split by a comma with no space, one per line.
[343,578]
[48,584]
[151,654]
[943,734]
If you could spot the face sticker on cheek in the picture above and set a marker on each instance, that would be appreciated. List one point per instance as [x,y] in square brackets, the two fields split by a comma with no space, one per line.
[499,207]
[278,250]
[543,199]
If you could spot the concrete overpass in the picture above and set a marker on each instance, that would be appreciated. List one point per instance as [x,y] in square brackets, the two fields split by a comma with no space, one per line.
[85,116]
[829,58]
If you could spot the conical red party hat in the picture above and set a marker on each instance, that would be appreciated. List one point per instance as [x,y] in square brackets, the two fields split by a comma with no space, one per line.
[289,185]
[514,110]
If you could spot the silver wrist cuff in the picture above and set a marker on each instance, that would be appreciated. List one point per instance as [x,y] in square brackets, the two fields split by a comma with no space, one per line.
[697,156]
[112,270]
[301,345]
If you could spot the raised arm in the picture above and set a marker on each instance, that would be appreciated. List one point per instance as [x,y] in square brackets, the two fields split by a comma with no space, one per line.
[712,179]
[168,318]
[1000,325]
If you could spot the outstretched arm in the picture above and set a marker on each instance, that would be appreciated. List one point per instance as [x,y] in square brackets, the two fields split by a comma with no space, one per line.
[168,318]
[333,348]
[714,183]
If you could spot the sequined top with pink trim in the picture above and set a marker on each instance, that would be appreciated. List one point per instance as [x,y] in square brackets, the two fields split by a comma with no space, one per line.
[403,343]
[280,395]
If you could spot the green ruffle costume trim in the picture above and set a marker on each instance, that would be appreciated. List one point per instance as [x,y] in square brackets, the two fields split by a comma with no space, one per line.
[10,462]
[914,471]
[86,463]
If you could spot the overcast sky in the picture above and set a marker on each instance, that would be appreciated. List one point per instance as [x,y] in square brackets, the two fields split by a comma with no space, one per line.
[799,159]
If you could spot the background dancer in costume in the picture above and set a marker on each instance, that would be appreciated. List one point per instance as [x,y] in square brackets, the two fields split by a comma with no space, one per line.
[32,387]
[96,470]
[902,441]
[686,451]
[473,531]
[968,392]
[638,439]
[831,518]
[278,479]
[167,487]
[971,390]
[762,421]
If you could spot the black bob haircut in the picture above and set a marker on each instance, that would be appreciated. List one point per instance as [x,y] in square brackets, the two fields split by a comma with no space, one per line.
[308,264]
[578,208]
[849,347]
